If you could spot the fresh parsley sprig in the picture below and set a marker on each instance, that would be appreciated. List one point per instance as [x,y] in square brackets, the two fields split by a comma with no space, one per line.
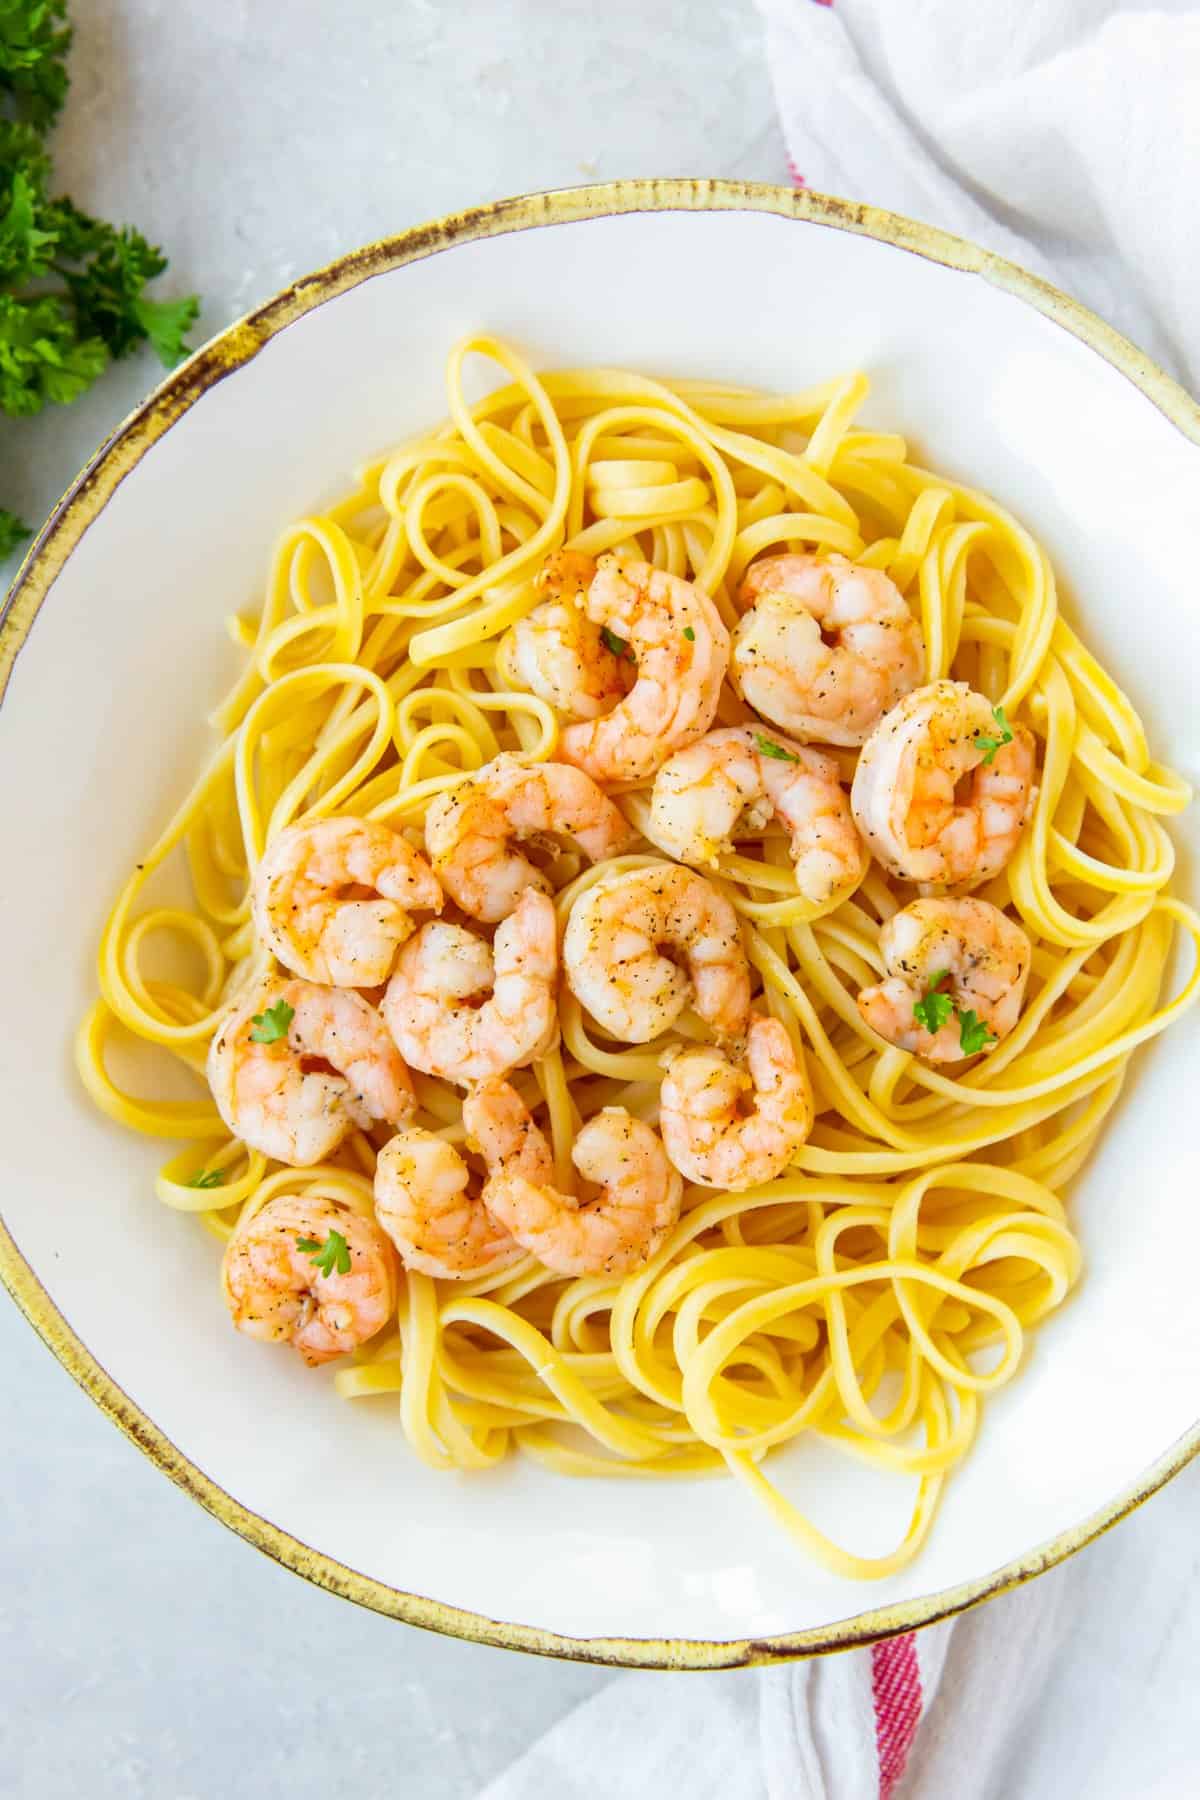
[992,744]
[269,1026]
[333,1254]
[33,48]
[72,288]
[973,1034]
[935,1008]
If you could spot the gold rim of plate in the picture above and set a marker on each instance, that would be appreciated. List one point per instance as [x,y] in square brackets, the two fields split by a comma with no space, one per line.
[84,501]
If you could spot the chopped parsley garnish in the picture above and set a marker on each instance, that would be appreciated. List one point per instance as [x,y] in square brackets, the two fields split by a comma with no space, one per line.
[206,1178]
[769,747]
[270,1026]
[617,645]
[992,744]
[973,1034]
[689,634]
[934,1008]
[333,1254]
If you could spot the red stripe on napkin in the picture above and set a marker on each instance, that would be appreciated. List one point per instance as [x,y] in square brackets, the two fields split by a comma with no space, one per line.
[896,1691]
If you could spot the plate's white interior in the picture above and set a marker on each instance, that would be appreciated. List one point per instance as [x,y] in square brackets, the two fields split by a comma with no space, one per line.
[102,728]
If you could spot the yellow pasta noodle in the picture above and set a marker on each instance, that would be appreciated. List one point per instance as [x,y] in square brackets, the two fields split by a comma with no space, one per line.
[879,1290]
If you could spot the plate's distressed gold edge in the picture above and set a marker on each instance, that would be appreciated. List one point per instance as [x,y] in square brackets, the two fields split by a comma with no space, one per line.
[83,502]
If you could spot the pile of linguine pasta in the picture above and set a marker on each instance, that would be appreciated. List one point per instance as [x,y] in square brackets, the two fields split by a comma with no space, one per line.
[878,1290]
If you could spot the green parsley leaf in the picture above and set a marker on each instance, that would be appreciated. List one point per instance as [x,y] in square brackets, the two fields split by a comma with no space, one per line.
[934,1008]
[21,148]
[25,248]
[207,1178]
[617,645]
[689,634]
[12,532]
[992,744]
[107,288]
[166,323]
[333,1254]
[973,1034]
[33,50]
[270,1026]
[769,747]
[41,356]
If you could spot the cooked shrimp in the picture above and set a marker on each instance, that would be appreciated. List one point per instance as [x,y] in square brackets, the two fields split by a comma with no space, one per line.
[965,952]
[472,832]
[826,647]
[614,944]
[556,651]
[425,1203]
[433,1005]
[681,650]
[708,1135]
[332,899]
[277,1293]
[738,779]
[905,793]
[295,1066]
[617,1230]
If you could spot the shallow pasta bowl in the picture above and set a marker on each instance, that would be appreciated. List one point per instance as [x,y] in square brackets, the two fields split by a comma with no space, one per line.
[112,649]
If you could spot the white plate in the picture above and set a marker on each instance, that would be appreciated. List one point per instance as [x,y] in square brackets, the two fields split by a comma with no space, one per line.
[994,379]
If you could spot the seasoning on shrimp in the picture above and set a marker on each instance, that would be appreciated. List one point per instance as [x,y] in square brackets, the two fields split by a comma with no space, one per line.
[332,899]
[435,1006]
[474,831]
[731,1127]
[610,1233]
[278,1291]
[735,781]
[956,974]
[826,647]
[615,953]
[294,1067]
[905,796]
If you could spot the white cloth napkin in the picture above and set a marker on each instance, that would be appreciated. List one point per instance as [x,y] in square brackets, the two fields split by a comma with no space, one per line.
[833,1728]
[1082,1682]
[1064,134]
